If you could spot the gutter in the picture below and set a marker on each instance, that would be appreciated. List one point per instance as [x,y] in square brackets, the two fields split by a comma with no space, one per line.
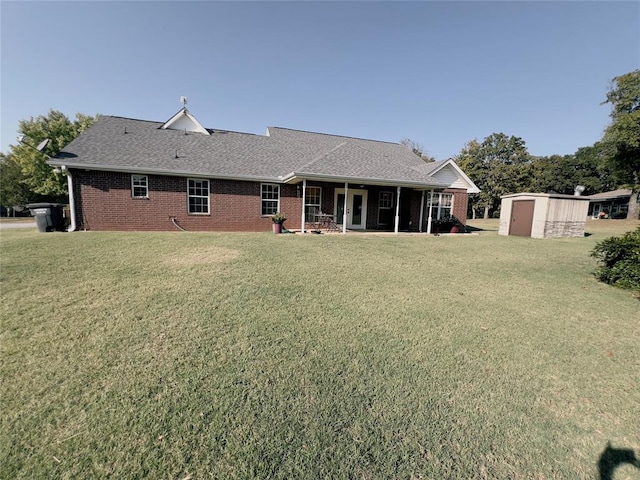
[162,171]
[294,177]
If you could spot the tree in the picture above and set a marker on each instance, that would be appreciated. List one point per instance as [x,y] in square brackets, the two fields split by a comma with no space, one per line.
[622,136]
[499,165]
[418,149]
[13,191]
[561,174]
[36,174]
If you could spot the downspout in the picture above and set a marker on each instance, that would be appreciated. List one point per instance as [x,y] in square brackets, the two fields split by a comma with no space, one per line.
[397,220]
[72,205]
[430,214]
[422,210]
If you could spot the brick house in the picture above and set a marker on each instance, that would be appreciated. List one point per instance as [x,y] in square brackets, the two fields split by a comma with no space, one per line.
[127,174]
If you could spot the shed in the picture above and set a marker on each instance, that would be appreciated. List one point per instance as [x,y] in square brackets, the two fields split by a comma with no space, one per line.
[543,215]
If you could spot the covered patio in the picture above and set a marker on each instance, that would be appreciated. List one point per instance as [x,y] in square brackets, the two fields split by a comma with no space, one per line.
[382,207]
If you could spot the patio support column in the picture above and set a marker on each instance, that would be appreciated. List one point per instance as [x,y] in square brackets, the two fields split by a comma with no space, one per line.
[430,213]
[422,210]
[344,208]
[304,195]
[397,223]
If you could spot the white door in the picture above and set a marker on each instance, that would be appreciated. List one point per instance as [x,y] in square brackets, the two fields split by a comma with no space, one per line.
[356,208]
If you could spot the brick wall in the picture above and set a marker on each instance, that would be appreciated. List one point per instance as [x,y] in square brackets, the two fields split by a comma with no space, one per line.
[104,202]
[460,203]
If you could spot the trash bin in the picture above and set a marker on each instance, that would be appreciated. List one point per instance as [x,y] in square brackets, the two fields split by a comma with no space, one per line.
[48,216]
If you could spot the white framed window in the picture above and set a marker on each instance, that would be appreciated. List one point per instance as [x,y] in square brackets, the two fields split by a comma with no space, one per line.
[442,205]
[385,200]
[385,208]
[198,196]
[139,186]
[270,198]
[312,203]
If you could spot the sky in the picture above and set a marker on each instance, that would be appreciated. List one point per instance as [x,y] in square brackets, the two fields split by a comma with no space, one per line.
[438,73]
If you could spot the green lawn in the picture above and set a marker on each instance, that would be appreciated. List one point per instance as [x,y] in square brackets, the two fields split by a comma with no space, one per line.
[196,355]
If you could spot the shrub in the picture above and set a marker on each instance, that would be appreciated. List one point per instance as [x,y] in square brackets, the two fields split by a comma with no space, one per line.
[278,217]
[620,258]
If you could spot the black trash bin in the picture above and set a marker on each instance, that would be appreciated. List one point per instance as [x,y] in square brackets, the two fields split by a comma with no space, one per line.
[48,216]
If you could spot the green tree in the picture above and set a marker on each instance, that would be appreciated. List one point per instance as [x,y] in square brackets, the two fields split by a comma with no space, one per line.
[622,136]
[562,173]
[499,165]
[37,175]
[13,191]
[418,149]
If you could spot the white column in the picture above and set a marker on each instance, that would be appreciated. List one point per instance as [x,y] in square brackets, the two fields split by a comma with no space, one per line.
[397,223]
[304,195]
[422,210]
[430,213]
[344,208]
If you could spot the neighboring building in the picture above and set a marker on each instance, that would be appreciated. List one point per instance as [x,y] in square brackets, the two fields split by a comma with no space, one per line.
[127,174]
[543,215]
[613,204]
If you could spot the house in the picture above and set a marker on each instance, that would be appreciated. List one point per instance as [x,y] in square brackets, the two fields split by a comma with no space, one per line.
[127,174]
[613,204]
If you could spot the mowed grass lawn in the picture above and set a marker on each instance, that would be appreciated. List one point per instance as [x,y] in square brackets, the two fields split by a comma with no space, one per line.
[199,355]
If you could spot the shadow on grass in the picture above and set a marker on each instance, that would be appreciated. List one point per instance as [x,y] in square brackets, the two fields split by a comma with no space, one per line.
[470,229]
[612,458]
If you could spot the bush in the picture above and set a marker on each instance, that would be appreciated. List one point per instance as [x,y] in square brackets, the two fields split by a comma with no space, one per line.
[620,258]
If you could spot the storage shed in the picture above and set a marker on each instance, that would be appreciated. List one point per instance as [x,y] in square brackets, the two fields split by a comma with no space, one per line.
[543,215]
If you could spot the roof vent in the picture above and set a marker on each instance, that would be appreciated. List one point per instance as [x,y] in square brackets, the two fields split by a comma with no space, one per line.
[578,190]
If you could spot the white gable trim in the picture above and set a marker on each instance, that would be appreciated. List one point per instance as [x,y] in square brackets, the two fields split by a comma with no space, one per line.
[471,188]
[186,121]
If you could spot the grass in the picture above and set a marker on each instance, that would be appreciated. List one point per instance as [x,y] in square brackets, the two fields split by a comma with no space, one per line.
[17,220]
[172,355]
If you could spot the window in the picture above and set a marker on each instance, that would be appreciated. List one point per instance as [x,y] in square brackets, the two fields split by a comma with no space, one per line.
[385,206]
[198,195]
[270,196]
[442,205]
[385,200]
[139,186]
[312,202]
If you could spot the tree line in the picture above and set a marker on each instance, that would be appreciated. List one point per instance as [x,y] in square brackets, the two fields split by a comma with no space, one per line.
[499,165]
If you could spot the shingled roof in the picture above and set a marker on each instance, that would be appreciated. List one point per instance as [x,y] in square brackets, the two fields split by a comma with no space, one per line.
[283,155]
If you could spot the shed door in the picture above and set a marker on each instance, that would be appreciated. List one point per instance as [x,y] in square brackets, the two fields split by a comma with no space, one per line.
[522,217]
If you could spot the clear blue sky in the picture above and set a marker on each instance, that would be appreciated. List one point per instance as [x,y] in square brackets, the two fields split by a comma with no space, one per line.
[439,73]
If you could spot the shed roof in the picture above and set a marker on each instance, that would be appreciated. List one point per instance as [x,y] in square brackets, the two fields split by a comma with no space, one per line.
[547,195]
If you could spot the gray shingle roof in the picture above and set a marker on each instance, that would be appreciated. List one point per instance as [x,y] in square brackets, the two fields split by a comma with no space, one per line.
[611,195]
[124,144]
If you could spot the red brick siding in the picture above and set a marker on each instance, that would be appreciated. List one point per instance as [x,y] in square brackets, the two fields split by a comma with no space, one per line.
[460,203]
[103,202]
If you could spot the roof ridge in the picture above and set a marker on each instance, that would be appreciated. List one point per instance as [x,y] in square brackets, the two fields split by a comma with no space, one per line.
[128,118]
[336,135]
[322,155]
